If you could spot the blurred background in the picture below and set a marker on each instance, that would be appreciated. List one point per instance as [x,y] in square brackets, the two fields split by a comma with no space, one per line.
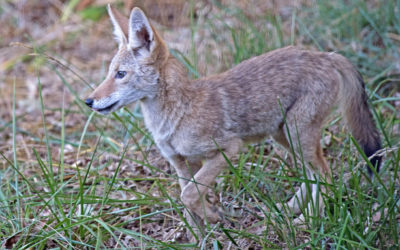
[52,53]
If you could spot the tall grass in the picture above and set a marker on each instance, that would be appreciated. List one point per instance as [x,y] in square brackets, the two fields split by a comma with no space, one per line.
[89,204]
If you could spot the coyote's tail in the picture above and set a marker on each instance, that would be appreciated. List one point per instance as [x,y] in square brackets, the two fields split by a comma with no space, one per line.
[356,112]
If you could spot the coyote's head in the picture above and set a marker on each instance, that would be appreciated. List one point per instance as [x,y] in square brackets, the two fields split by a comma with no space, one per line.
[135,69]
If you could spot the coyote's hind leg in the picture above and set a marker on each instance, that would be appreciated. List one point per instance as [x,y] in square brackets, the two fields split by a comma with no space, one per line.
[296,203]
[305,132]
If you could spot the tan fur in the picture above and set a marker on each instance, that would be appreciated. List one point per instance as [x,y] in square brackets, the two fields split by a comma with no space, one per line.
[192,120]
[105,89]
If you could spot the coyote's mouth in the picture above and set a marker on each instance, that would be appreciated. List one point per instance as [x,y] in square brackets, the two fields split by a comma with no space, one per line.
[107,109]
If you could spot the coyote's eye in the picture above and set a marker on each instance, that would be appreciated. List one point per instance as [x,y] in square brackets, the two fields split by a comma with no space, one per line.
[120,74]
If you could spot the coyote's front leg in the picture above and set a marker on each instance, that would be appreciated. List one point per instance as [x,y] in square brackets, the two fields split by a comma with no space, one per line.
[185,170]
[193,193]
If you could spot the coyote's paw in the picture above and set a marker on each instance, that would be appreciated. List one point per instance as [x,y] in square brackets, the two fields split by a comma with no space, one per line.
[214,214]
[203,208]
[208,212]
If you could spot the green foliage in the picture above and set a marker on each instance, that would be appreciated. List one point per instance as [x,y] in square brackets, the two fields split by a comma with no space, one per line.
[361,30]
[93,13]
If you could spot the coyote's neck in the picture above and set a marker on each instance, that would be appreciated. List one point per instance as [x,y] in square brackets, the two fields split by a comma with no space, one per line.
[163,113]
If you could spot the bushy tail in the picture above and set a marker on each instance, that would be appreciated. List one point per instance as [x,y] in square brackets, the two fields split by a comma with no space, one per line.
[356,112]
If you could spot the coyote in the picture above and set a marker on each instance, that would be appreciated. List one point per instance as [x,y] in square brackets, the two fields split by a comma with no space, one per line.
[285,94]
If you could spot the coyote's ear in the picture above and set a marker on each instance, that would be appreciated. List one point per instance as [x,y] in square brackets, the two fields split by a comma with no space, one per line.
[141,35]
[121,25]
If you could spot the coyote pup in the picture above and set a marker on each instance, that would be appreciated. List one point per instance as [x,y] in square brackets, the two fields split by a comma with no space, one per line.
[286,92]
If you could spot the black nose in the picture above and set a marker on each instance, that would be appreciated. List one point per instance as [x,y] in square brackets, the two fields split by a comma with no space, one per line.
[89,102]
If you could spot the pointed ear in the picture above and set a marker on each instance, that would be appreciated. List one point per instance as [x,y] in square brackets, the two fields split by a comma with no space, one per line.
[121,25]
[141,35]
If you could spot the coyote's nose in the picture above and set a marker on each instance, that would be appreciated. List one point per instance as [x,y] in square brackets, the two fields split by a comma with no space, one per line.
[89,102]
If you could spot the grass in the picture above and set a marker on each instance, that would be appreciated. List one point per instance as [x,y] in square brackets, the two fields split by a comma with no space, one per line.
[112,190]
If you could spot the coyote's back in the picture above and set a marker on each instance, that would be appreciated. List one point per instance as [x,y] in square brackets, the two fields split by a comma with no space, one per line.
[251,100]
